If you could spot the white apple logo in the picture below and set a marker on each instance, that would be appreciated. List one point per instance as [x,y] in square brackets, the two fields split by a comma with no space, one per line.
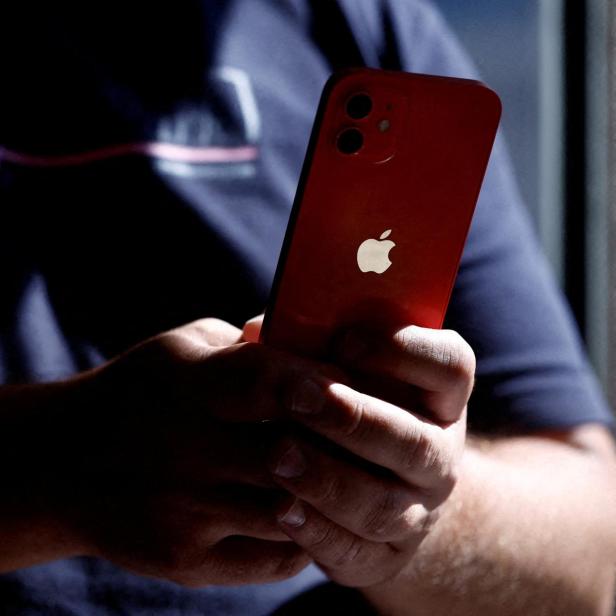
[373,255]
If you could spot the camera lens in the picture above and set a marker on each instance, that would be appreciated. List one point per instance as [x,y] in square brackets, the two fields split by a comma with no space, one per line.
[350,141]
[359,106]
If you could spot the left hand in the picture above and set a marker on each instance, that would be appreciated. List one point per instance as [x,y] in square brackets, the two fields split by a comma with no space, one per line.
[367,489]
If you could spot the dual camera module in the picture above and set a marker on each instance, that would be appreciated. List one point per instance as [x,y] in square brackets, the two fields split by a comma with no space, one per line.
[351,140]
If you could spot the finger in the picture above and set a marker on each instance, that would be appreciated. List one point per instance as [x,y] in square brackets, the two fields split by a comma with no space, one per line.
[240,560]
[244,382]
[439,362]
[414,448]
[226,454]
[346,558]
[260,561]
[213,332]
[252,329]
[378,508]
[237,510]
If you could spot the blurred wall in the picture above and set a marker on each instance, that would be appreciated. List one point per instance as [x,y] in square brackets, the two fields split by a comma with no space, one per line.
[502,39]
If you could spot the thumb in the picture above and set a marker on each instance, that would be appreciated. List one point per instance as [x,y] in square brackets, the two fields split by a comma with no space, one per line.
[252,329]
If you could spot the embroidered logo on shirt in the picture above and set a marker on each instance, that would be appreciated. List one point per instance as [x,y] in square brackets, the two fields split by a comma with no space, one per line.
[217,136]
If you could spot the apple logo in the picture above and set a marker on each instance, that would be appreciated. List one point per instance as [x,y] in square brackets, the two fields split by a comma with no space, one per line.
[373,255]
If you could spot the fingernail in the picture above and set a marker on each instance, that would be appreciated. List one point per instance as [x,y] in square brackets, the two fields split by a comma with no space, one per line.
[294,516]
[353,346]
[254,322]
[292,464]
[307,398]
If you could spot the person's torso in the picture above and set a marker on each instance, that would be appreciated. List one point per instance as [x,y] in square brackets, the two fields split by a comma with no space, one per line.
[148,161]
[148,164]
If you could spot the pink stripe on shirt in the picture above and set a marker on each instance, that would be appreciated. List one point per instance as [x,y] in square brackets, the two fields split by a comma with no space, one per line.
[155,149]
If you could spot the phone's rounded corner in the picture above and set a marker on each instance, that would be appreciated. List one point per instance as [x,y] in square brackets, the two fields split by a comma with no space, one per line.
[493,100]
[340,76]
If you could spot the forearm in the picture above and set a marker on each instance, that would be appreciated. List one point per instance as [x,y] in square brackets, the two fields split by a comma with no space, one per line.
[528,530]
[34,438]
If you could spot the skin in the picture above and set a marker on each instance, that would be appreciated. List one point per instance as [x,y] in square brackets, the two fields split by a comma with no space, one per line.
[362,516]
[203,457]
[529,529]
[509,538]
[156,461]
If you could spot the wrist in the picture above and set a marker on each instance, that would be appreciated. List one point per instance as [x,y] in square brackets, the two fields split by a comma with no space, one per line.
[416,589]
[37,465]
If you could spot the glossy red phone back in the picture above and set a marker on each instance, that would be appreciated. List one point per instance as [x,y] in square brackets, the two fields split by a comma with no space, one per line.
[376,236]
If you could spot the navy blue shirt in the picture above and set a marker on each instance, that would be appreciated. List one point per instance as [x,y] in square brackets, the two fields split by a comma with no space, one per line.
[148,161]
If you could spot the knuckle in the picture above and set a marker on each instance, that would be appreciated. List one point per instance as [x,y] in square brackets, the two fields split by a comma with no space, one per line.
[442,473]
[450,354]
[173,345]
[411,344]
[350,553]
[416,450]
[332,491]
[211,330]
[323,540]
[386,518]
[448,474]
[444,469]
[456,359]
[355,426]
[424,520]
[206,324]
[423,453]
[419,520]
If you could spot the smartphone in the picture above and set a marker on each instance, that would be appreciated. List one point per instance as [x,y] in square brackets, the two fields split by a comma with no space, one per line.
[385,199]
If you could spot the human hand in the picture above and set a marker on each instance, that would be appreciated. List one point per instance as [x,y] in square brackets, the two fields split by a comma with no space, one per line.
[166,460]
[361,508]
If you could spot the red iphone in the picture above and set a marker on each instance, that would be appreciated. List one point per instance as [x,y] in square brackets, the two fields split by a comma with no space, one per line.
[384,203]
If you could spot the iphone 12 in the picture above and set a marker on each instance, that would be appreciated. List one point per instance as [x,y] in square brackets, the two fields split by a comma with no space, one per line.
[384,203]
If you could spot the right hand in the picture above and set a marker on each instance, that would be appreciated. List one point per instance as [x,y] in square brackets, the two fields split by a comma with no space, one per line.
[166,470]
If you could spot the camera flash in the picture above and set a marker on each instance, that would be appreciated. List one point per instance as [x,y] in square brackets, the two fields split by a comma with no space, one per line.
[383,126]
